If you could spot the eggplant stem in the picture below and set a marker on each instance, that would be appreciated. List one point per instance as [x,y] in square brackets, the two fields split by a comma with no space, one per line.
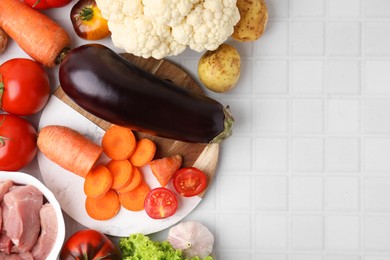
[228,127]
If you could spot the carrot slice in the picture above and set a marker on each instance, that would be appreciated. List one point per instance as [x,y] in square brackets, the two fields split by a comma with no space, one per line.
[164,169]
[119,142]
[122,173]
[135,181]
[97,182]
[103,208]
[144,152]
[134,199]
[68,148]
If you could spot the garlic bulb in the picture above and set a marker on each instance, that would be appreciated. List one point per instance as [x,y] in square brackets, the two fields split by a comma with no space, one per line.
[193,238]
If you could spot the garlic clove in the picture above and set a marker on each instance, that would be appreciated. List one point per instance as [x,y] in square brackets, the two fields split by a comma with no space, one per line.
[193,238]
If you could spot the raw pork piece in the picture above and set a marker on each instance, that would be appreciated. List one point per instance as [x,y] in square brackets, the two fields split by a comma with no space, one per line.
[23,256]
[5,243]
[5,186]
[21,219]
[48,234]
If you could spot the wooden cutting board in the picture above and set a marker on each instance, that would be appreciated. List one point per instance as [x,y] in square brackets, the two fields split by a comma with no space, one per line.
[202,156]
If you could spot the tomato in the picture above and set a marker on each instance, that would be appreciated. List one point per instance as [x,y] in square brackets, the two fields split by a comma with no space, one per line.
[46,4]
[160,203]
[25,85]
[88,22]
[189,181]
[89,244]
[17,142]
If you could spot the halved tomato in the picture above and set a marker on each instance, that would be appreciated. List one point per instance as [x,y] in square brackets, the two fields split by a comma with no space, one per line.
[189,181]
[160,203]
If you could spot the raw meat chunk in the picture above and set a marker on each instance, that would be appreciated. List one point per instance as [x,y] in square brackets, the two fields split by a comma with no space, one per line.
[21,219]
[48,234]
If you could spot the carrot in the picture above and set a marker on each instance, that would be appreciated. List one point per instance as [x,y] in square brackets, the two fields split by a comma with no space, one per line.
[118,142]
[103,208]
[134,200]
[38,35]
[68,148]
[122,173]
[135,181]
[144,152]
[164,169]
[97,182]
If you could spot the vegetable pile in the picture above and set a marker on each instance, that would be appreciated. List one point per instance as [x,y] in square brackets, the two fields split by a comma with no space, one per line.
[120,182]
[148,28]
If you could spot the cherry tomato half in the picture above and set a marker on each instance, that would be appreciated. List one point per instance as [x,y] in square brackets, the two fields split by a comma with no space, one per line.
[25,85]
[160,203]
[189,181]
[17,142]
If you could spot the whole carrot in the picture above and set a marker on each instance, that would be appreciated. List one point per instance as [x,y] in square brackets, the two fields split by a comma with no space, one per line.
[35,33]
[68,148]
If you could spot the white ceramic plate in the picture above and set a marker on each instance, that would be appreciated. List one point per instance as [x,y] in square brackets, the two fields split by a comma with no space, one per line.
[68,187]
[23,178]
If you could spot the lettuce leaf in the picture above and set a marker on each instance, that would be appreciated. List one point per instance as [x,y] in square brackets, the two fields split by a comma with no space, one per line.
[141,247]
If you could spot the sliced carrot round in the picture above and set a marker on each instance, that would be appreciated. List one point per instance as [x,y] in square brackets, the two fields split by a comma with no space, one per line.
[122,173]
[118,142]
[134,200]
[143,153]
[135,181]
[103,208]
[97,182]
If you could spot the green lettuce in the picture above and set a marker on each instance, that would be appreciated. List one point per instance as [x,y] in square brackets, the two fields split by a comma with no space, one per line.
[141,247]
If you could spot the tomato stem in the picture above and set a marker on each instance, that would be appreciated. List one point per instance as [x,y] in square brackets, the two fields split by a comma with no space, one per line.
[36,3]
[2,140]
[86,14]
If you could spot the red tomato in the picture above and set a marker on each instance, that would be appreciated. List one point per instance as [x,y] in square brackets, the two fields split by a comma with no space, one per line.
[17,142]
[89,244]
[46,4]
[26,86]
[189,181]
[160,203]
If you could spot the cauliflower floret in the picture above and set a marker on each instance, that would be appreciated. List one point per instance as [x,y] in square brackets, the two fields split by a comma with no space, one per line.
[160,28]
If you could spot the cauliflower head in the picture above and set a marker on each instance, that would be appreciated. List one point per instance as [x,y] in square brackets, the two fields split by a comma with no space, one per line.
[160,28]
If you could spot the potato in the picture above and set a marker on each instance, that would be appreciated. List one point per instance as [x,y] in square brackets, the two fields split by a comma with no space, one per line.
[253,21]
[219,70]
[3,40]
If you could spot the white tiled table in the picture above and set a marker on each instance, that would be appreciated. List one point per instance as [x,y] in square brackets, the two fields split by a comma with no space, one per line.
[306,175]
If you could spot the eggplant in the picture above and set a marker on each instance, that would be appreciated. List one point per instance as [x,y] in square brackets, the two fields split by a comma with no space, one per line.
[114,89]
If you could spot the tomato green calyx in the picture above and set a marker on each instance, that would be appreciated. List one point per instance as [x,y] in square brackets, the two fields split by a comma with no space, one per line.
[36,3]
[1,90]
[86,14]
[2,140]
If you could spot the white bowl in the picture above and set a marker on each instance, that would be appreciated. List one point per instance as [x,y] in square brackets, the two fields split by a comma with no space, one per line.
[23,178]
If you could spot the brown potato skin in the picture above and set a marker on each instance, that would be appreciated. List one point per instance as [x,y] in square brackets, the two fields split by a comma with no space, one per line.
[219,70]
[253,21]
